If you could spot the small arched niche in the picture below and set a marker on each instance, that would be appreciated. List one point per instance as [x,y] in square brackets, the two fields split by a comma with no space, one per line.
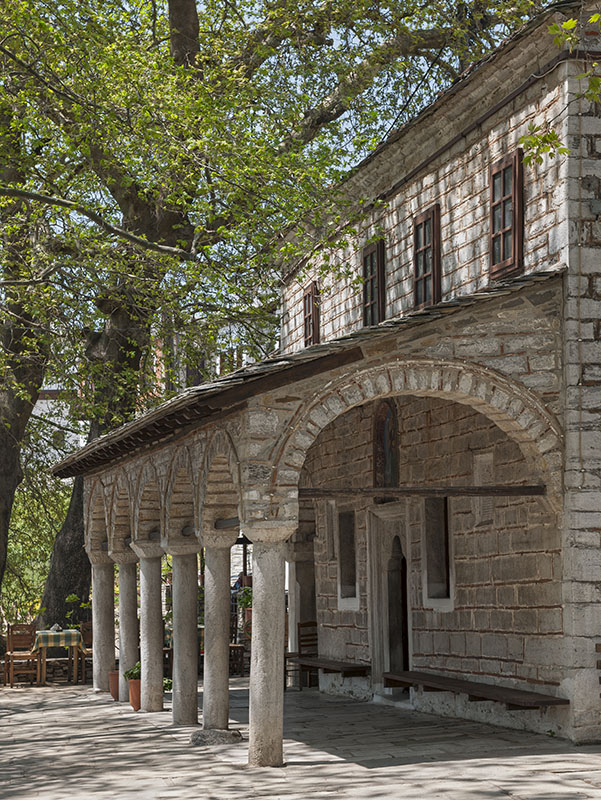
[386,444]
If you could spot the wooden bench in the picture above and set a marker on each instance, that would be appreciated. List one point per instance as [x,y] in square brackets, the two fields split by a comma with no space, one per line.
[514,699]
[345,668]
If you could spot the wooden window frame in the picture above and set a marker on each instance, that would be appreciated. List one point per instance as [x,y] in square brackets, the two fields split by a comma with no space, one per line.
[433,215]
[512,264]
[379,303]
[311,314]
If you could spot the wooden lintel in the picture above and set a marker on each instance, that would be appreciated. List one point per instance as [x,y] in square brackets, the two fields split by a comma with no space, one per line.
[227,524]
[499,490]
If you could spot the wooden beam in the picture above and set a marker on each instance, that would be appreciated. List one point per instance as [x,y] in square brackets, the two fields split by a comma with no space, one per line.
[226,524]
[498,490]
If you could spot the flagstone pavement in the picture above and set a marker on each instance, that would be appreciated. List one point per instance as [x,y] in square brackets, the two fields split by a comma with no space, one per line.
[68,743]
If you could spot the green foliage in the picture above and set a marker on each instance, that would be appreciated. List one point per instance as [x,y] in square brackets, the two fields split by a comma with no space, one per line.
[167,684]
[134,673]
[245,597]
[39,508]
[541,140]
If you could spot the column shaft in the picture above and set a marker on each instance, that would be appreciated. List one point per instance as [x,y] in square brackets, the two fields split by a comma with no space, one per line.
[185,639]
[103,624]
[267,656]
[151,634]
[128,624]
[217,637]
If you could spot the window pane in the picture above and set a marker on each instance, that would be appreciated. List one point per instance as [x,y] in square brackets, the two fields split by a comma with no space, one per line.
[508,213]
[496,250]
[437,547]
[346,554]
[496,187]
[418,237]
[419,263]
[507,180]
[419,295]
[496,219]
[427,232]
[507,245]
[428,257]
[428,289]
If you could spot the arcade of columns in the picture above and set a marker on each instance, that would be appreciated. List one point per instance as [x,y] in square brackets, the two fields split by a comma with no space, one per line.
[188,492]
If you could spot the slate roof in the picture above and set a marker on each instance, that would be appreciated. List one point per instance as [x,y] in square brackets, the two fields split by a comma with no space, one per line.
[199,405]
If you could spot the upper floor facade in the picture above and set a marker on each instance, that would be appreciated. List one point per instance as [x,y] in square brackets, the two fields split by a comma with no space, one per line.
[455,209]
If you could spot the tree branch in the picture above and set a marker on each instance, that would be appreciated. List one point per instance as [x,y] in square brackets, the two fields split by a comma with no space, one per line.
[178,252]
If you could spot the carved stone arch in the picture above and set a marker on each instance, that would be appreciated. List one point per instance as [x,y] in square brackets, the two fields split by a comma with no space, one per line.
[181,515]
[510,405]
[97,519]
[148,505]
[219,482]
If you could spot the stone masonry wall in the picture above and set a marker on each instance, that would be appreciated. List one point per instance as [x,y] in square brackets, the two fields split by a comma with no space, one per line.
[459,181]
[507,596]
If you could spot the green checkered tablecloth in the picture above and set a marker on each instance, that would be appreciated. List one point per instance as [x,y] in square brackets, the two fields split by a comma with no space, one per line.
[68,638]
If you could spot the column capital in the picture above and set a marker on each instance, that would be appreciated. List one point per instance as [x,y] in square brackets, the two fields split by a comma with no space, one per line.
[124,556]
[147,549]
[99,558]
[182,548]
[219,539]
[269,530]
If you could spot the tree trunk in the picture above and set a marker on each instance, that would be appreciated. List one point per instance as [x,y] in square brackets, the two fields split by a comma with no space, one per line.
[10,478]
[70,571]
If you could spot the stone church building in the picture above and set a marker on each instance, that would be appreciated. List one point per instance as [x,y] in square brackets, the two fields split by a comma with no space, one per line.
[424,451]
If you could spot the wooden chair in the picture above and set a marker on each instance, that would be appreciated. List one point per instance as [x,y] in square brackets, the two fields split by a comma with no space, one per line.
[20,659]
[307,646]
[88,640]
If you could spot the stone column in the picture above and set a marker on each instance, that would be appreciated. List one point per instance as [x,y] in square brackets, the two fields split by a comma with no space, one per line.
[185,638]
[217,629]
[268,643]
[151,625]
[128,622]
[103,619]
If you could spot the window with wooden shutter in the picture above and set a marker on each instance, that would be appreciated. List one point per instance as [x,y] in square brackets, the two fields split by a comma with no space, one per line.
[311,314]
[506,215]
[374,284]
[426,258]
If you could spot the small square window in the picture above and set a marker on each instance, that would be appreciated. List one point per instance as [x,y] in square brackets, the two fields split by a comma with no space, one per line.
[506,215]
[426,257]
[374,284]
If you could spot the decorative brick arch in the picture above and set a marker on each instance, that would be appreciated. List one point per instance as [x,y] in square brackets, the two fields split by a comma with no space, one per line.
[148,489]
[120,526]
[510,405]
[180,476]
[98,517]
[219,480]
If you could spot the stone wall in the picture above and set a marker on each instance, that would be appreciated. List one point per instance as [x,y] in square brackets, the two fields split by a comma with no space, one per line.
[507,614]
[458,179]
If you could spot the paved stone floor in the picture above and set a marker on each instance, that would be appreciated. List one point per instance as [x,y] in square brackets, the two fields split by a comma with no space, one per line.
[65,743]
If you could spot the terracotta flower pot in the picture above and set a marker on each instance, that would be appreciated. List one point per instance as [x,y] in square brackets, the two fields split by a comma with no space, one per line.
[114,684]
[134,693]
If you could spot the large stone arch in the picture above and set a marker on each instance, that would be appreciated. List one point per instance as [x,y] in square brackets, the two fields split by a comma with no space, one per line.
[219,481]
[181,514]
[511,406]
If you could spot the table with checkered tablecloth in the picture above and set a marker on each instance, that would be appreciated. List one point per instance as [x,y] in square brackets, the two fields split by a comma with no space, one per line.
[69,638]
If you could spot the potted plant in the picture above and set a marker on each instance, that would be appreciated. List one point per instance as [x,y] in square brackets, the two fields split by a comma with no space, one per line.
[133,676]
[114,683]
